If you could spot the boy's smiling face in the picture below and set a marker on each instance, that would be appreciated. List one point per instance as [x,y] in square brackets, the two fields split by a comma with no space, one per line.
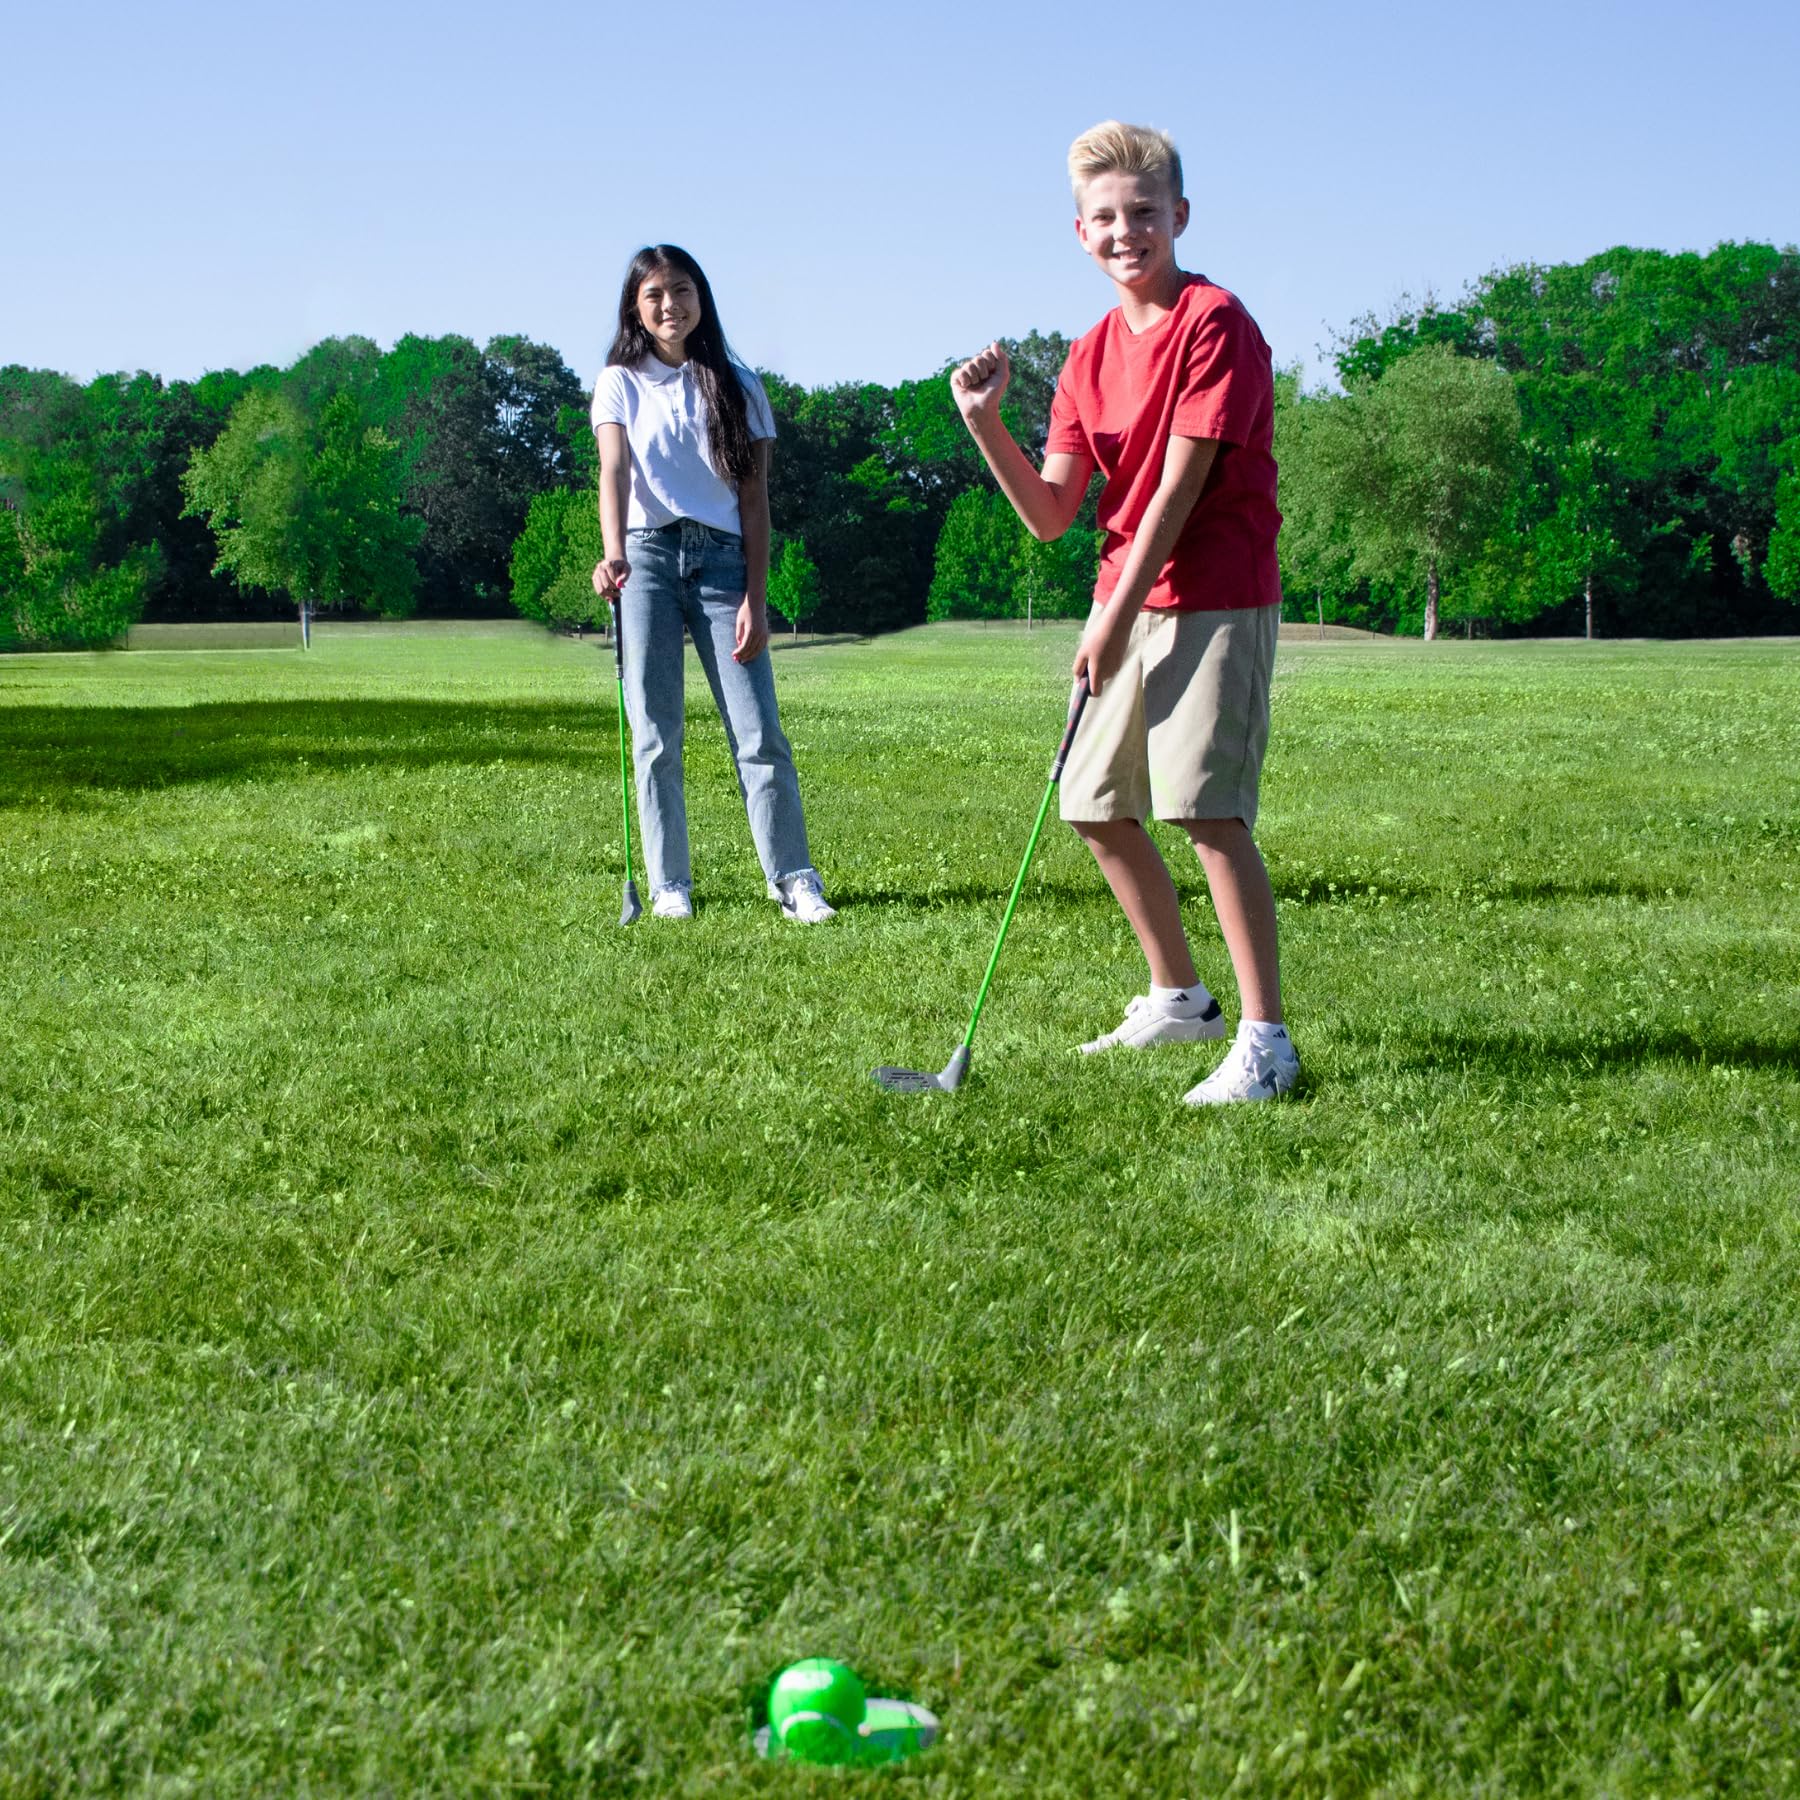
[1128,224]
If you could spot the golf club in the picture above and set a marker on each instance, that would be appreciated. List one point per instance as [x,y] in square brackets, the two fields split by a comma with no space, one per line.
[631,909]
[950,1077]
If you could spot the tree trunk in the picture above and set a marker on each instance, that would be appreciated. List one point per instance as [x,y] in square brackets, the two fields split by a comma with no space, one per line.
[1319,595]
[1590,605]
[305,626]
[1431,600]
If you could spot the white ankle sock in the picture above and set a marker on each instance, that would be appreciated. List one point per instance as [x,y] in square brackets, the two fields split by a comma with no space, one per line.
[1264,1036]
[1179,1000]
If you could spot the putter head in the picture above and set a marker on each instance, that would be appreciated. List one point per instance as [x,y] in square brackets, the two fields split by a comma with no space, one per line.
[921,1081]
[632,910]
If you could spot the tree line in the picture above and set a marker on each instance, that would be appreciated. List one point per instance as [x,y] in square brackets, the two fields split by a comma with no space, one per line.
[1612,445]
[1606,446]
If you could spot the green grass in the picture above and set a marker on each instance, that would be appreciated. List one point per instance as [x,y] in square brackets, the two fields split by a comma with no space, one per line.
[450,1344]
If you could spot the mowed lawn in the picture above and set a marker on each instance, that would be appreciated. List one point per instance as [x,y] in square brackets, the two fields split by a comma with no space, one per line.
[451,1344]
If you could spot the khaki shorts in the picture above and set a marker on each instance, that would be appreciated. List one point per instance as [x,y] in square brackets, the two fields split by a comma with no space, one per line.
[1179,732]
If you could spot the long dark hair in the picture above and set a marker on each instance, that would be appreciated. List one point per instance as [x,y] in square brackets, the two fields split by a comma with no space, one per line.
[727,414]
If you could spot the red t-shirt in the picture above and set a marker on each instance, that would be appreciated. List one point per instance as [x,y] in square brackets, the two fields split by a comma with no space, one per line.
[1204,371]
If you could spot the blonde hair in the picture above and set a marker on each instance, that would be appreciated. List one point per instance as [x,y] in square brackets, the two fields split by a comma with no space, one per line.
[1111,148]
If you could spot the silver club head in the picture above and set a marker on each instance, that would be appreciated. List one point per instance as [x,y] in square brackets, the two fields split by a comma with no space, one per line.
[920,1081]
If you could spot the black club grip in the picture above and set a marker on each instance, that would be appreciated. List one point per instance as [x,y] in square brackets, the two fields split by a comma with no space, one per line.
[1078,700]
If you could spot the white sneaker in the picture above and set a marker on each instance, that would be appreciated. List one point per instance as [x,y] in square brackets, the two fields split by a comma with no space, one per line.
[1248,1073]
[672,902]
[802,896]
[1146,1023]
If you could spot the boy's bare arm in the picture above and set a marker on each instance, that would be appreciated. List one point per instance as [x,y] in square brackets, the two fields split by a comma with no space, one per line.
[1186,465]
[615,494]
[1047,502]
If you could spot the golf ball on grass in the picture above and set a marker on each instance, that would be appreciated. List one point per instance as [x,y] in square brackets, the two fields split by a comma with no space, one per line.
[816,1710]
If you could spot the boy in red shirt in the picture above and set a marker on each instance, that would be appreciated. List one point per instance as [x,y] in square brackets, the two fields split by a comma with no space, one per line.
[1171,397]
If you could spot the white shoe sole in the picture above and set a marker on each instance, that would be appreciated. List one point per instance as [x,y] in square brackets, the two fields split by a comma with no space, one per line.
[1207,1026]
[1275,1083]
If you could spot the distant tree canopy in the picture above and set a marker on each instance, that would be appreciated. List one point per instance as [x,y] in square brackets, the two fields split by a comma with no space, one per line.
[1610,445]
[1659,412]
[1404,478]
[990,567]
[553,560]
[58,585]
[308,505]
[121,444]
[470,436]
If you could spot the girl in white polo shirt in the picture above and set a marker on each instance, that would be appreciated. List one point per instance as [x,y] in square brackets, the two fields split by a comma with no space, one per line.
[684,432]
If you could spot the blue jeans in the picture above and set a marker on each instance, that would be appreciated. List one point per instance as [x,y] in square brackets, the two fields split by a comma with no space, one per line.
[690,575]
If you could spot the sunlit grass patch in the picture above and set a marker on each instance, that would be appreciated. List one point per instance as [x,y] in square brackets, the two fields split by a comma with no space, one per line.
[448,1342]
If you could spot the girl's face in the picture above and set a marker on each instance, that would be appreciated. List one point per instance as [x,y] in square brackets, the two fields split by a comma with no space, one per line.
[668,307]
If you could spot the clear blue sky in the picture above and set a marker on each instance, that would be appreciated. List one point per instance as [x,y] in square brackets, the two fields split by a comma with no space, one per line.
[871,188]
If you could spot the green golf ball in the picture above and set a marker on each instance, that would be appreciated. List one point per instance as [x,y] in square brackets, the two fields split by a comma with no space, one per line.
[816,1710]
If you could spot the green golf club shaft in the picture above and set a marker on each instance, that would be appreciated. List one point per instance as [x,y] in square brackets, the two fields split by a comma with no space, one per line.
[1013,901]
[1077,702]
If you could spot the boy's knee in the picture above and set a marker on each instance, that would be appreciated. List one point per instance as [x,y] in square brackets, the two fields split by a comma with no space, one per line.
[1216,834]
[1105,831]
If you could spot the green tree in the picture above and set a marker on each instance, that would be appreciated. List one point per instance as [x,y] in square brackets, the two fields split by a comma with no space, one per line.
[1782,568]
[132,436]
[143,433]
[12,574]
[1054,578]
[868,526]
[309,509]
[56,586]
[977,561]
[582,451]
[1681,368]
[1439,442]
[333,366]
[795,590]
[1580,540]
[552,568]
[532,388]
[436,399]
[1316,456]
[1370,348]
[926,443]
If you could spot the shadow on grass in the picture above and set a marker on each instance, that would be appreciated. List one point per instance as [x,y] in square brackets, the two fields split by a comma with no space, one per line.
[1518,1052]
[68,753]
[1191,889]
[1335,887]
[942,899]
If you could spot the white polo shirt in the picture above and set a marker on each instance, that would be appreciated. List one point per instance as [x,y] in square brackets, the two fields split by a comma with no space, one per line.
[672,473]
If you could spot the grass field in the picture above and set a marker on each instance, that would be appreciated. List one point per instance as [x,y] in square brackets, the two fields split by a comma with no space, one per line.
[449,1344]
